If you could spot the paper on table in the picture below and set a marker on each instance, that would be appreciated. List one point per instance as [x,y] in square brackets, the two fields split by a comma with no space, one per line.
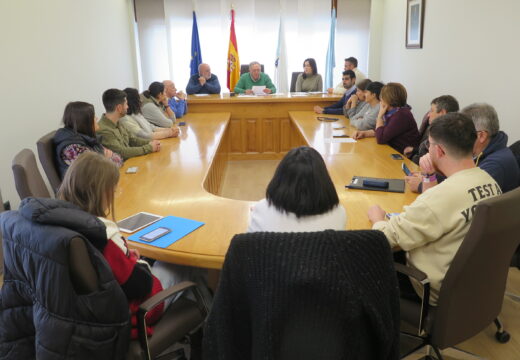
[201,94]
[246,95]
[340,140]
[258,90]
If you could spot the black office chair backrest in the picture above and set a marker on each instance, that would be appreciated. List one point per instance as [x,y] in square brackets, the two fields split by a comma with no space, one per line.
[27,177]
[515,149]
[319,295]
[244,68]
[47,155]
[294,77]
[472,292]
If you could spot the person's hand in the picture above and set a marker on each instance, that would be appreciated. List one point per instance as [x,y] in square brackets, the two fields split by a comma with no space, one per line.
[330,91]
[249,92]
[156,145]
[174,132]
[425,162]
[353,101]
[383,108]
[413,181]
[202,80]
[375,214]
[359,135]
[318,109]
[267,91]
[108,153]
[181,95]
[134,252]
[408,151]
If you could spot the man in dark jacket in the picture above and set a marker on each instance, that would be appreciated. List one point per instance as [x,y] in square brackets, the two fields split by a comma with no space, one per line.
[490,151]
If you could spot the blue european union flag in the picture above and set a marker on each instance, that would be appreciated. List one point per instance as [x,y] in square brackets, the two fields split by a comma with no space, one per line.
[196,57]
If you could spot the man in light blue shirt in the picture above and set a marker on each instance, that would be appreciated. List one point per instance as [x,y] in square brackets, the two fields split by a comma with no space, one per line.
[176,100]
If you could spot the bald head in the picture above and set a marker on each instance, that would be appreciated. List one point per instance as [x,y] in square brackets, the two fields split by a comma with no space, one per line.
[205,71]
[169,88]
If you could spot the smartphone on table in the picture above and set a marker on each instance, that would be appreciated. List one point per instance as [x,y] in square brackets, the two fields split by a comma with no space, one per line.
[155,234]
[406,170]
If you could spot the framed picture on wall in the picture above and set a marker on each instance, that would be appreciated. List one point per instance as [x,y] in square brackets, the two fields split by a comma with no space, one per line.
[414,24]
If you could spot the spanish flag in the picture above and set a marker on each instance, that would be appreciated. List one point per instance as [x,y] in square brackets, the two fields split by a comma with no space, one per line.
[233,63]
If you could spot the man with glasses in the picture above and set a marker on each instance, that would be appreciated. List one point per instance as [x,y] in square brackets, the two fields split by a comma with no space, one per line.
[490,151]
[431,229]
[349,81]
[255,77]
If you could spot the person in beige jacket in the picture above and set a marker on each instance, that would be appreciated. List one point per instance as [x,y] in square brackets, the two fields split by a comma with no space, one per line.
[431,229]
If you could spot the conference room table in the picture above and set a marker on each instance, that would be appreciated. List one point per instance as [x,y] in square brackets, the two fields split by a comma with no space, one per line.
[184,179]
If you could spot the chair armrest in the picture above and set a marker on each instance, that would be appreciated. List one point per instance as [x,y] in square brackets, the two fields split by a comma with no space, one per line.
[425,282]
[406,270]
[152,302]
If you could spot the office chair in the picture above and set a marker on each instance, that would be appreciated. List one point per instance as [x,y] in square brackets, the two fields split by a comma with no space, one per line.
[294,77]
[181,318]
[100,321]
[477,276]
[244,68]
[316,295]
[46,153]
[27,177]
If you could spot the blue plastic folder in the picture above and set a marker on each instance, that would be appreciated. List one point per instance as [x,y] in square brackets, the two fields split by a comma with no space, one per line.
[179,227]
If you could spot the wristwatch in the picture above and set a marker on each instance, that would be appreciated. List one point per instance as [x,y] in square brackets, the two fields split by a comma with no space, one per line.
[428,178]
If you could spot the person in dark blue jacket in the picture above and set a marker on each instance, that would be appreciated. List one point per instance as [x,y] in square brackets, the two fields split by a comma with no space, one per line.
[349,81]
[490,151]
[204,82]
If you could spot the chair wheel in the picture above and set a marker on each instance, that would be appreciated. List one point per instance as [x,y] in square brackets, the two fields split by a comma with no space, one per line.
[502,337]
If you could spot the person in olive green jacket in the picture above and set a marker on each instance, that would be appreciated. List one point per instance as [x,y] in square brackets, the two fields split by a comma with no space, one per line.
[116,137]
[255,77]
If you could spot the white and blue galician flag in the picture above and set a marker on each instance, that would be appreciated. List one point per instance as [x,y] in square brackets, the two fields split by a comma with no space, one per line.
[330,64]
[280,63]
[196,56]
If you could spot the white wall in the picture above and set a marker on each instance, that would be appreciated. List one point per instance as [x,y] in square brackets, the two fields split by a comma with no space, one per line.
[53,52]
[469,51]
[306,25]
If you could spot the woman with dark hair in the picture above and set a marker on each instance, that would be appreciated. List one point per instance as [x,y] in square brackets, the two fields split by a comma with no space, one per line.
[300,197]
[79,135]
[395,124]
[357,101]
[136,124]
[365,118]
[154,106]
[309,80]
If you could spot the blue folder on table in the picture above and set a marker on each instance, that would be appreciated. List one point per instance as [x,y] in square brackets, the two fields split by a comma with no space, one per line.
[179,227]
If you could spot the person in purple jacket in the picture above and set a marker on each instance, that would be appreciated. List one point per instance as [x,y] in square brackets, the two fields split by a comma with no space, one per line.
[395,124]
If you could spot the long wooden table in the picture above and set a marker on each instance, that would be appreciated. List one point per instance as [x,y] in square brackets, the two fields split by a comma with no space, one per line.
[184,178]
[259,126]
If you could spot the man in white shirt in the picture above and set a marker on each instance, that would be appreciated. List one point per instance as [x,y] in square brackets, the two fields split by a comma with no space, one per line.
[431,229]
[351,63]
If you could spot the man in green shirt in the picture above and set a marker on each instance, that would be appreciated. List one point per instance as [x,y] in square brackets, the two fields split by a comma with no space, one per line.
[116,137]
[254,78]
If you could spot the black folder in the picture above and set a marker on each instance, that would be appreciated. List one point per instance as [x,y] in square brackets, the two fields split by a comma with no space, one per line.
[387,185]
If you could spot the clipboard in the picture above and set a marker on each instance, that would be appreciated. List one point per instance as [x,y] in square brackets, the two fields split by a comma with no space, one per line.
[179,227]
[394,185]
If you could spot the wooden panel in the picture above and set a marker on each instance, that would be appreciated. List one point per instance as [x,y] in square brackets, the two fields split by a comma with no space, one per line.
[251,136]
[285,135]
[269,135]
[236,139]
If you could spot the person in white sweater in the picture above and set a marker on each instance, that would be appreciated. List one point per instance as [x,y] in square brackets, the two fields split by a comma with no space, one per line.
[300,197]
[431,229]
